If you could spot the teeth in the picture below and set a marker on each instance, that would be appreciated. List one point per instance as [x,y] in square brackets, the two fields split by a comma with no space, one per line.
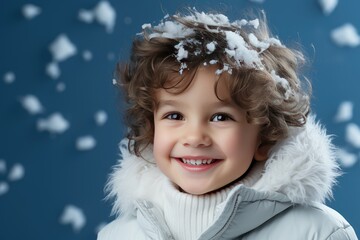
[196,162]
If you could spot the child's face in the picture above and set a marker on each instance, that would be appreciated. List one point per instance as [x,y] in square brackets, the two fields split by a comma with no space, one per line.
[201,143]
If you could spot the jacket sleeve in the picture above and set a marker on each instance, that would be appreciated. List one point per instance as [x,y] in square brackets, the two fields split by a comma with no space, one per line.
[346,233]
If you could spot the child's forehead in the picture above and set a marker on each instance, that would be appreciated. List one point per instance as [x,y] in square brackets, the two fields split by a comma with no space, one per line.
[204,79]
[175,81]
[209,99]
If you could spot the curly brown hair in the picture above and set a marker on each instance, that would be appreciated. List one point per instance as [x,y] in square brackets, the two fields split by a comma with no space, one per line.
[154,64]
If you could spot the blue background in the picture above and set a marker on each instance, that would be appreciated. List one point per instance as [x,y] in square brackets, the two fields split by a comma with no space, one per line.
[56,174]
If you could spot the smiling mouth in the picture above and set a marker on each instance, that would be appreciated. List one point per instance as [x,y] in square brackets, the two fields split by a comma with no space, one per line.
[197,162]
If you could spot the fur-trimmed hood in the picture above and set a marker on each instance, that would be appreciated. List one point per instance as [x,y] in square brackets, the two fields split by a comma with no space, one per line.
[303,167]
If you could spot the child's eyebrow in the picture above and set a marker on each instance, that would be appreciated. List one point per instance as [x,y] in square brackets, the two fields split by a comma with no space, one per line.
[163,103]
[226,105]
[174,103]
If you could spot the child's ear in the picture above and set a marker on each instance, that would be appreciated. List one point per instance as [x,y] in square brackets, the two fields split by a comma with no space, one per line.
[262,151]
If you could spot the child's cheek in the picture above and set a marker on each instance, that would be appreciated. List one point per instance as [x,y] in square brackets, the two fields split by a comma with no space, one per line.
[161,142]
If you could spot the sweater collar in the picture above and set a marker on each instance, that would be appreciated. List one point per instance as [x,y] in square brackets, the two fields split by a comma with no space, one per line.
[190,215]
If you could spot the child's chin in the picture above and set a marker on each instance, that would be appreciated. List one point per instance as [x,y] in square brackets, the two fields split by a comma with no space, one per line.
[193,191]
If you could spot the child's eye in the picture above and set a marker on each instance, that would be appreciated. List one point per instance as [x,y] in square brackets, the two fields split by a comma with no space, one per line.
[220,117]
[174,116]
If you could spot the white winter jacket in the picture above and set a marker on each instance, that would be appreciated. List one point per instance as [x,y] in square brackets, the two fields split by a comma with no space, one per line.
[285,203]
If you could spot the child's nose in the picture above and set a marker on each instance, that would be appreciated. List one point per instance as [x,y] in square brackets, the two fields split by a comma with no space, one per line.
[196,136]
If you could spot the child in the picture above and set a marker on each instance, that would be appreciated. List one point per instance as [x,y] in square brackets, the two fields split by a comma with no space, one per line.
[220,144]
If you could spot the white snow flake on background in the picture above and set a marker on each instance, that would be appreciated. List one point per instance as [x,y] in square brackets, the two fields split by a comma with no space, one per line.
[85,143]
[30,11]
[328,6]
[352,134]
[103,13]
[346,35]
[4,188]
[74,216]
[345,112]
[100,117]
[60,87]
[55,123]
[62,48]
[17,172]
[345,155]
[9,77]
[32,104]
[86,16]
[87,55]
[346,159]
[53,70]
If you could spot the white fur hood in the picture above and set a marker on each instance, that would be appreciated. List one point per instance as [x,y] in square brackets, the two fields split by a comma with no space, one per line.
[303,167]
